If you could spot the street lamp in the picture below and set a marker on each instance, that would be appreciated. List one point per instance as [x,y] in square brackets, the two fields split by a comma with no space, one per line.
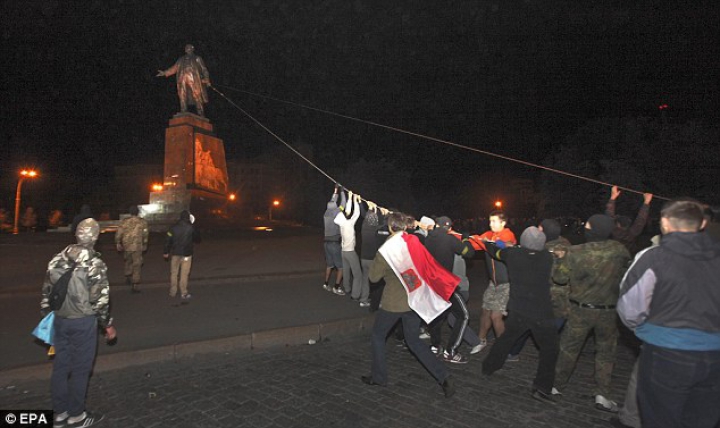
[498,204]
[25,173]
[276,204]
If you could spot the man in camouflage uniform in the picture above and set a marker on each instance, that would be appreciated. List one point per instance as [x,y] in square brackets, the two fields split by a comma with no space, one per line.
[132,239]
[594,271]
[559,290]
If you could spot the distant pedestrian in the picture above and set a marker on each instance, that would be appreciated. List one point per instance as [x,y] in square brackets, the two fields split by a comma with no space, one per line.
[333,250]
[86,306]
[84,213]
[131,239]
[179,249]
[670,298]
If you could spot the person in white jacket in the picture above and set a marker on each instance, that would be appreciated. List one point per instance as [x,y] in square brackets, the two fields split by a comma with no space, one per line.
[352,273]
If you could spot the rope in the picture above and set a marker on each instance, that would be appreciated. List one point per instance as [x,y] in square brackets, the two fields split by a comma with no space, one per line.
[450,143]
[291,147]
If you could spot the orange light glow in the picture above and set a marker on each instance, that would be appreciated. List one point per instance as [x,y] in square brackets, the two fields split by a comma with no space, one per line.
[276,203]
[498,204]
[232,196]
[157,187]
[30,173]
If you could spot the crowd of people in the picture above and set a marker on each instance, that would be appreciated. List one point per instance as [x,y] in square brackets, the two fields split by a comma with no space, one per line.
[543,286]
[412,274]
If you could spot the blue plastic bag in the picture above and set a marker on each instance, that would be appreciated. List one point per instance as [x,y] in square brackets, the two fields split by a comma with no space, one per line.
[45,329]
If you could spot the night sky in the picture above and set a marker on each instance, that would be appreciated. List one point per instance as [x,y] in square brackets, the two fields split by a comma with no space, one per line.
[80,94]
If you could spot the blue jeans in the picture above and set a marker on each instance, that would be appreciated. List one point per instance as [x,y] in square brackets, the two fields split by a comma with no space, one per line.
[75,347]
[384,322]
[678,388]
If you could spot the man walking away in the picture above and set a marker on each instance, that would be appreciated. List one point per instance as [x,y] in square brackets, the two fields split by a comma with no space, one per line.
[131,239]
[86,306]
[179,248]
[670,298]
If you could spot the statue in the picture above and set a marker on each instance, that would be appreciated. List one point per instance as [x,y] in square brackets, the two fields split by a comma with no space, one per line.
[192,78]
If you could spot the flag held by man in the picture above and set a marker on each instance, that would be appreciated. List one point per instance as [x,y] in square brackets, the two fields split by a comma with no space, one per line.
[428,285]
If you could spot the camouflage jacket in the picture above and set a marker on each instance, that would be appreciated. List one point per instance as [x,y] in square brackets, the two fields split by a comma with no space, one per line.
[132,234]
[558,248]
[88,291]
[595,270]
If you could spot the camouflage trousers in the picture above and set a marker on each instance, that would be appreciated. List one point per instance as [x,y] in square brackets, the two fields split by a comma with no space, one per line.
[133,264]
[560,302]
[581,321]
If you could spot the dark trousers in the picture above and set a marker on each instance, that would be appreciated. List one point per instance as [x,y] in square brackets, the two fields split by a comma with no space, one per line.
[384,322]
[75,346]
[459,309]
[546,337]
[520,343]
[678,388]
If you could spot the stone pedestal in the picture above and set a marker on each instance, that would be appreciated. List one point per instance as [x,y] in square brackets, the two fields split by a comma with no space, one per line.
[195,174]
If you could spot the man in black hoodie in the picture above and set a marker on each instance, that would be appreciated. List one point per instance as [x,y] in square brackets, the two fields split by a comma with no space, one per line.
[529,307]
[179,245]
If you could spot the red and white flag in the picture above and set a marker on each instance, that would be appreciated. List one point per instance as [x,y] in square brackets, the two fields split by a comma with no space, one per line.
[428,284]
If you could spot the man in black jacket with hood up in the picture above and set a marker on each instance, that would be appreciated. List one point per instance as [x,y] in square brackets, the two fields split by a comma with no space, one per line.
[179,245]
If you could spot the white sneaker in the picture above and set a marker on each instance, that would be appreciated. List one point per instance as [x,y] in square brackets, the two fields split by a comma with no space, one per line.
[554,391]
[480,347]
[424,335]
[602,403]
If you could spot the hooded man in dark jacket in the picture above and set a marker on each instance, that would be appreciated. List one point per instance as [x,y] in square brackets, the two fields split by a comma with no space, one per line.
[333,250]
[179,249]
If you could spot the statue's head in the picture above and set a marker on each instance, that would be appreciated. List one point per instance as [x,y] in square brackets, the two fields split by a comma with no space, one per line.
[189,49]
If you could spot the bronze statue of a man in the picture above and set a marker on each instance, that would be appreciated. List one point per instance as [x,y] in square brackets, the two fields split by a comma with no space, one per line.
[192,79]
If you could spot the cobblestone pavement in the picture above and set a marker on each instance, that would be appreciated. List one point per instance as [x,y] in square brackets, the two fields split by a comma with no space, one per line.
[319,386]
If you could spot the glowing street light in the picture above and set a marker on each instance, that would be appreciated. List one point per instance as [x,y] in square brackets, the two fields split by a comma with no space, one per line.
[498,204]
[275,203]
[24,174]
[232,196]
[157,187]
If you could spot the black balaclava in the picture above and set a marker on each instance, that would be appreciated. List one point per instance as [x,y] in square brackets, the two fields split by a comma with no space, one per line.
[601,227]
[551,229]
